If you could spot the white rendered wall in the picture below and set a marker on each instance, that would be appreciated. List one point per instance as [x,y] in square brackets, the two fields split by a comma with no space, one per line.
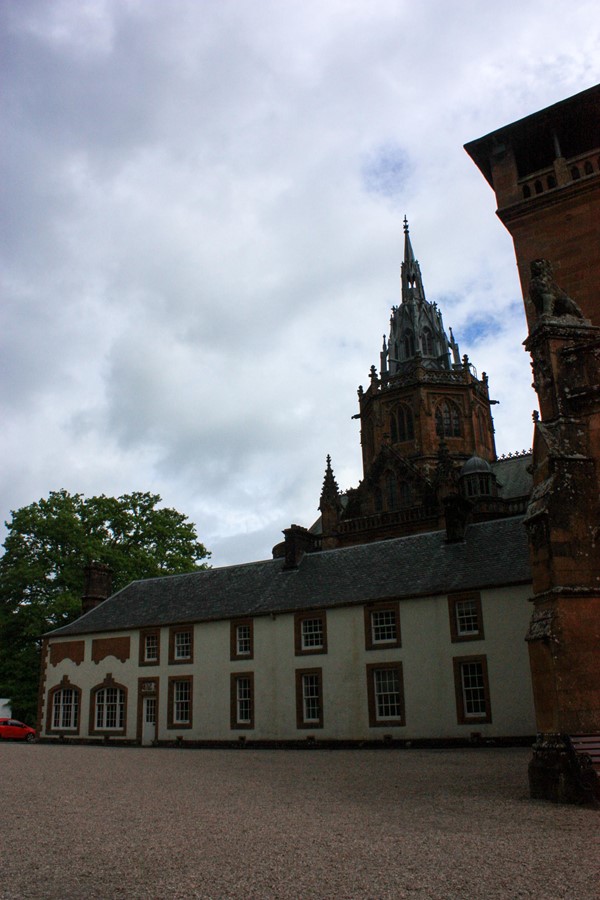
[426,654]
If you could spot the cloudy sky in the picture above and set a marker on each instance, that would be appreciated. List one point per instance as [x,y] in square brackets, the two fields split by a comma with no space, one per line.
[202,234]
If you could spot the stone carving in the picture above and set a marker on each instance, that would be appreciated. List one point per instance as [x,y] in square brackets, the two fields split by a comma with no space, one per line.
[547,297]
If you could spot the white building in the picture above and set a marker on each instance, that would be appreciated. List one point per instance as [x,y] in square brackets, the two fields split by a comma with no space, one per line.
[414,638]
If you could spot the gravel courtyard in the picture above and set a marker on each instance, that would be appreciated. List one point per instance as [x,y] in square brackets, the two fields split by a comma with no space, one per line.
[95,822]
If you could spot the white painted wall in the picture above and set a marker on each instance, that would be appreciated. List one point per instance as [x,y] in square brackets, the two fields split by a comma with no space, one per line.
[426,654]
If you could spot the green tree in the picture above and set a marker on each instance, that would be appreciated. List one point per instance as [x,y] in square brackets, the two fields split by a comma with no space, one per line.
[42,569]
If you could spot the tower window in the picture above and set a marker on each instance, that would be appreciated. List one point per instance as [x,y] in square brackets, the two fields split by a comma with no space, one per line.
[481,427]
[406,429]
[402,425]
[427,342]
[447,420]
[409,344]
[391,491]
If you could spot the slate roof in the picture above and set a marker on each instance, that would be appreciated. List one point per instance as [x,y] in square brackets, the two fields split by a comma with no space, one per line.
[513,476]
[493,554]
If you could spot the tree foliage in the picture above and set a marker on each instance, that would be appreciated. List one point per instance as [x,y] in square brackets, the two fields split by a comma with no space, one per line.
[42,569]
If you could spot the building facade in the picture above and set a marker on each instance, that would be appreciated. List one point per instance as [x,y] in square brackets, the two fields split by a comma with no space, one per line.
[402,640]
[400,614]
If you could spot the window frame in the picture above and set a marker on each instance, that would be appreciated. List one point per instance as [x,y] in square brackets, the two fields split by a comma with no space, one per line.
[173,632]
[305,616]
[301,720]
[145,633]
[174,680]
[64,685]
[453,601]
[448,419]
[107,730]
[464,718]
[235,722]
[374,720]
[233,639]
[381,606]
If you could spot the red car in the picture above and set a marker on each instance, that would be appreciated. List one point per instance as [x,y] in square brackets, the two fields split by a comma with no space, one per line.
[13,730]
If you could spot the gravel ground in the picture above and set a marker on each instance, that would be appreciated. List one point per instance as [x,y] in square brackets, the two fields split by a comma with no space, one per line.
[96,822]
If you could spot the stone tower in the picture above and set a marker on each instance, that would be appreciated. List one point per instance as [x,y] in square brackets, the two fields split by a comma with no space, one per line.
[424,415]
[545,171]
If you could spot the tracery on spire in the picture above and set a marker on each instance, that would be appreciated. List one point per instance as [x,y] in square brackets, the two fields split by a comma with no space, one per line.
[416,327]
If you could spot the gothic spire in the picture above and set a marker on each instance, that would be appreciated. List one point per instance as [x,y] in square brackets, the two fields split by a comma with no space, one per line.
[330,494]
[416,328]
[412,283]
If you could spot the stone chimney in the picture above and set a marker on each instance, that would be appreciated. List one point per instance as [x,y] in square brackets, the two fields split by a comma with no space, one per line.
[298,541]
[457,513]
[97,585]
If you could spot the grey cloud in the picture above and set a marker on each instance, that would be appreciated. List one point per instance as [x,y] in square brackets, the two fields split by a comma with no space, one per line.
[199,255]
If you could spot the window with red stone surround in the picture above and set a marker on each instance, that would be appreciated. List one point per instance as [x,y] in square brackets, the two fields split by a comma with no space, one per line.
[310,632]
[472,690]
[108,708]
[180,702]
[63,711]
[385,694]
[466,619]
[242,700]
[382,625]
[181,644]
[149,647]
[309,698]
[241,638]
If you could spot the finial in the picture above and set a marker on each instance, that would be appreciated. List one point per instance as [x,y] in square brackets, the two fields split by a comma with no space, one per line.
[405,225]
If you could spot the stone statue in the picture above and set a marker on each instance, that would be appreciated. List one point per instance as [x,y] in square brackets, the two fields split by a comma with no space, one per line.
[547,297]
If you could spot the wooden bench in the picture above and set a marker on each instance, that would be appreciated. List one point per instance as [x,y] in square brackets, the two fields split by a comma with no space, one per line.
[587,745]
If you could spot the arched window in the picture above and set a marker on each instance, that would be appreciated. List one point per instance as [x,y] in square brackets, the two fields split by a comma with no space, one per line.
[447,419]
[481,427]
[409,343]
[526,191]
[378,499]
[551,181]
[405,493]
[575,173]
[427,342]
[406,428]
[393,428]
[390,487]
[369,440]
[588,169]
[108,702]
[539,187]
[64,702]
